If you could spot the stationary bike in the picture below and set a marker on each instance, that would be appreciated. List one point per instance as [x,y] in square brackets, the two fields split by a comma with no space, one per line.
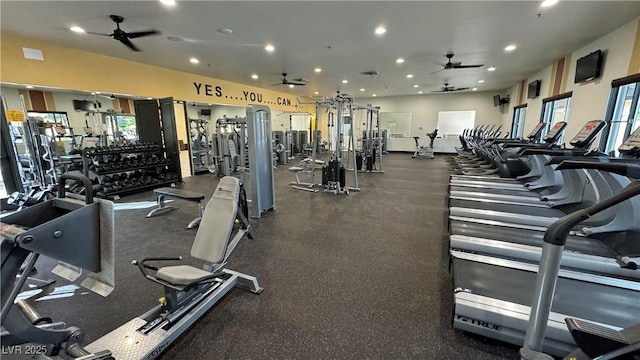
[423,150]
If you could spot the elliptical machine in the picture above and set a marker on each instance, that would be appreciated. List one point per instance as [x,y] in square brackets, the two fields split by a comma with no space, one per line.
[424,150]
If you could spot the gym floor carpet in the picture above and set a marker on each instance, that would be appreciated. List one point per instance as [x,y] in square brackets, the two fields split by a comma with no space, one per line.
[363,276]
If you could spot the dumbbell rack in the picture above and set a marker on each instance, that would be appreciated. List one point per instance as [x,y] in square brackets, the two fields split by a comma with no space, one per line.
[122,170]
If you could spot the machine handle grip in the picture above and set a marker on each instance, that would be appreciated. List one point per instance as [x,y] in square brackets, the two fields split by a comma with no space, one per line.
[85,181]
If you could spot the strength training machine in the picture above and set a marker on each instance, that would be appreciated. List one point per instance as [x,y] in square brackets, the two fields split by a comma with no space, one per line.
[189,291]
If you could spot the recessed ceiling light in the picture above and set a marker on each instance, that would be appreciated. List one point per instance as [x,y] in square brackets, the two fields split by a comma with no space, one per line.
[399,60]
[380,30]
[345,81]
[420,92]
[491,69]
[254,76]
[93,93]
[409,76]
[480,81]
[209,104]
[168,2]
[547,3]
[225,31]
[291,86]
[269,48]
[149,98]
[174,38]
[29,87]
[374,95]
[416,85]
[315,93]
[474,89]
[77,29]
[194,60]
[362,89]
[317,70]
[510,47]
[98,92]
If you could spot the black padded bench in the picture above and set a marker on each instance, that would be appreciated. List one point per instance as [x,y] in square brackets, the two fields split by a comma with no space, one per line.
[177,194]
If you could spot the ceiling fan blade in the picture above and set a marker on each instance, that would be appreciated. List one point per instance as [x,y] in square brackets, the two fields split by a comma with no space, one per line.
[296,83]
[129,44]
[460,89]
[466,66]
[301,80]
[95,33]
[435,72]
[137,34]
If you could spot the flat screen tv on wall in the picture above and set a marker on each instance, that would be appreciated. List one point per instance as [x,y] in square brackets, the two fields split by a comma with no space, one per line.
[588,68]
[84,105]
[534,89]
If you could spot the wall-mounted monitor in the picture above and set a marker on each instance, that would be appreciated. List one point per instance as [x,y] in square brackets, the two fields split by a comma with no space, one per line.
[533,91]
[84,105]
[588,68]
[205,112]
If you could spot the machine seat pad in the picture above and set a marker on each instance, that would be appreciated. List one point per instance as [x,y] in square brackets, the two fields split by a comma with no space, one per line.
[178,193]
[181,274]
[219,216]
[295,169]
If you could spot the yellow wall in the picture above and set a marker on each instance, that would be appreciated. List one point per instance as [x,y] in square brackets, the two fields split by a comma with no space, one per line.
[68,68]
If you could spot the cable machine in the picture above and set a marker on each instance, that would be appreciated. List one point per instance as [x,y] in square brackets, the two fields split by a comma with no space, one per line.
[372,142]
[339,110]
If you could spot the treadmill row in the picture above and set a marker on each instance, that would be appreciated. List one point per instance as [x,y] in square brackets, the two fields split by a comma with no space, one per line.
[503,196]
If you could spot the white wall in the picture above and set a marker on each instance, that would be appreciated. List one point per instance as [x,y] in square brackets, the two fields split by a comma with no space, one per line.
[11,97]
[589,101]
[425,108]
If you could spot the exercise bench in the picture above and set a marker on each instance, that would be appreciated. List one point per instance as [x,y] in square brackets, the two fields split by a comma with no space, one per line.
[177,194]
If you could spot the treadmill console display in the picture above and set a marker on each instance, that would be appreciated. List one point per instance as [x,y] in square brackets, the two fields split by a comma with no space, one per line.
[632,143]
[556,131]
[587,134]
[536,131]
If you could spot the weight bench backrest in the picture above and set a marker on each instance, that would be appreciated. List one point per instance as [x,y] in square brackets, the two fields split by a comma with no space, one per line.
[217,222]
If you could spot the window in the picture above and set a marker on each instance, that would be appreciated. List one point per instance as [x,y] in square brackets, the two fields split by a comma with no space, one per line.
[517,124]
[623,113]
[555,109]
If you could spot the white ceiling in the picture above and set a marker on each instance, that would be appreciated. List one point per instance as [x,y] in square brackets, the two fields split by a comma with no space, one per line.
[336,36]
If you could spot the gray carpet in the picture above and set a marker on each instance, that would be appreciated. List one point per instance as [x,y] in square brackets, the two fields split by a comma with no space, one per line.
[357,276]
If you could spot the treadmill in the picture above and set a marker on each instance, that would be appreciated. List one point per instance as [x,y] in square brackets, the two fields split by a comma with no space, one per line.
[554,191]
[536,163]
[506,148]
[493,292]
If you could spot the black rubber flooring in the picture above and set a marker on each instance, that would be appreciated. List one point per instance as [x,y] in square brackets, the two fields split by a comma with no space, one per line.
[363,276]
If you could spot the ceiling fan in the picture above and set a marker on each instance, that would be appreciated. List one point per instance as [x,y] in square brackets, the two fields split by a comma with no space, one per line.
[447,88]
[297,82]
[125,37]
[456,65]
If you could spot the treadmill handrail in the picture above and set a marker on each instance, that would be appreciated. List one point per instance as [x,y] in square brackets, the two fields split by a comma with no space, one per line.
[553,152]
[558,232]
[626,168]
[597,158]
